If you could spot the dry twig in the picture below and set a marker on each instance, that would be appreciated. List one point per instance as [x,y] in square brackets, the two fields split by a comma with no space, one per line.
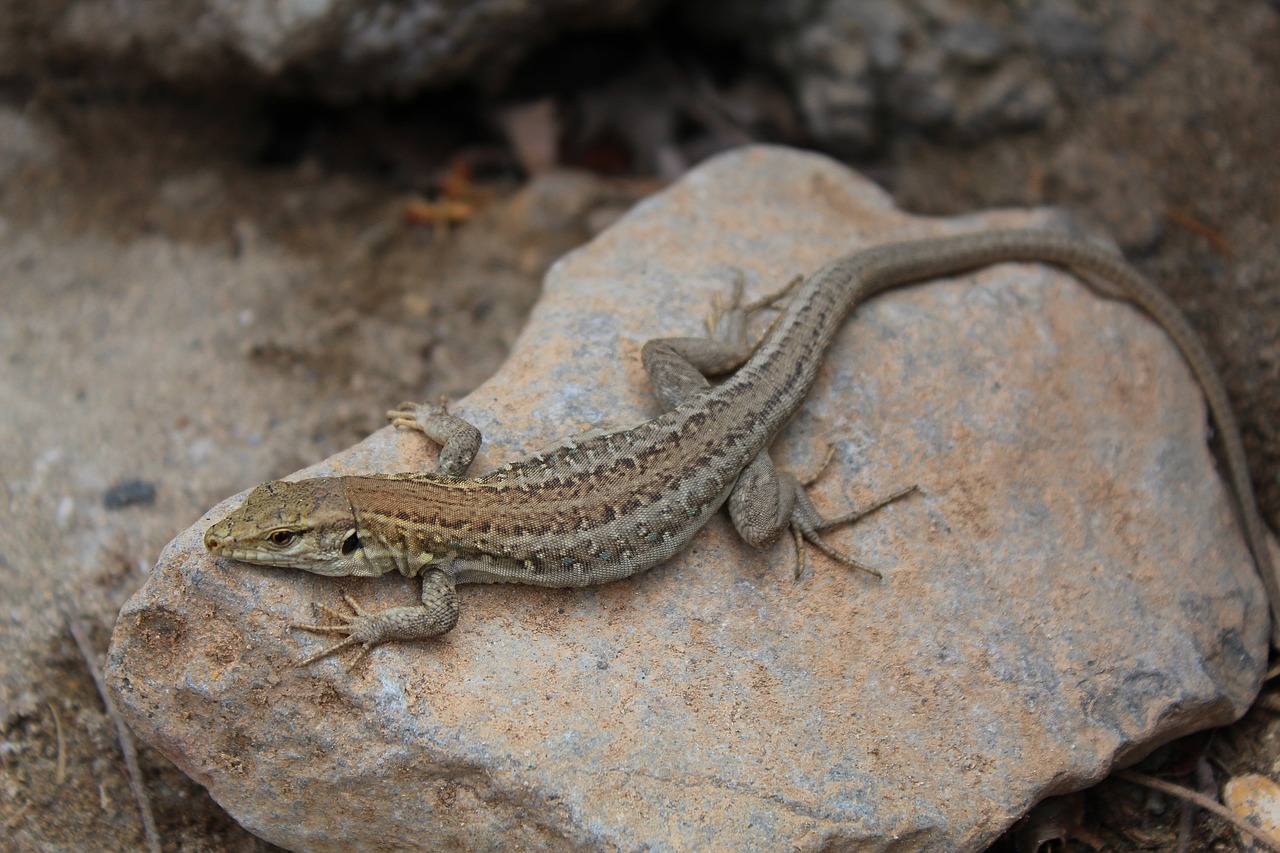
[81,635]
[61,775]
[1264,838]
[1186,219]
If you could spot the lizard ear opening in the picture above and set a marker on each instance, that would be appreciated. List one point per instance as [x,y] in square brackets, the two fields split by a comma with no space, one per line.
[350,544]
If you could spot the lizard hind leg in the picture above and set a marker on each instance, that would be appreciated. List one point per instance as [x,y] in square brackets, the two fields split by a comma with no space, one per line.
[678,367]
[765,502]
[807,525]
[727,322]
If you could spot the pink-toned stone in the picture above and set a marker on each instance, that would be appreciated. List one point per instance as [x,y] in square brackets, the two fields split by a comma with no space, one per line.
[1255,799]
[1070,590]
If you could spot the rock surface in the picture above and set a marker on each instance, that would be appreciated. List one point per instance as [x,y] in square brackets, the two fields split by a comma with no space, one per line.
[1069,592]
[954,69]
[325,47]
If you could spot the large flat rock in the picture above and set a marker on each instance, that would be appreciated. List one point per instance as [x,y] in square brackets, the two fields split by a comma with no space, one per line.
[1069,591]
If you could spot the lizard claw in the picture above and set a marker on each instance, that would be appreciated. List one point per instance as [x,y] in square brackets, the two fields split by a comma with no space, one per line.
[805,535]
[723,308]
[807,526]
[358,628]
[411,414]
[324,653]
[437,614]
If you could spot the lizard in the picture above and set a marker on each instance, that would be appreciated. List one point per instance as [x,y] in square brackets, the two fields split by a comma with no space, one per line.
[608,503]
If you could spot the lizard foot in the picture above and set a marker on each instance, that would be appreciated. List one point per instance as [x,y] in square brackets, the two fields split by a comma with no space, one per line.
[372,628]
[350,625]
[726,311]
[412,415]
[807,526]
[459,441]
[729,316]
[771,299]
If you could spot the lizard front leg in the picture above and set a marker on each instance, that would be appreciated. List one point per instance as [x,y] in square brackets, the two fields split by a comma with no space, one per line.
[437,615]
[459,441]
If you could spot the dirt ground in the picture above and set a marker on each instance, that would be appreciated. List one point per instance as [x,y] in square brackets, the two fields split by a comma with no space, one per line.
[181,306]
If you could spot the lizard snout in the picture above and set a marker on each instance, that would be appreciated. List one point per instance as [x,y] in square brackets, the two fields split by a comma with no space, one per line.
[215,537]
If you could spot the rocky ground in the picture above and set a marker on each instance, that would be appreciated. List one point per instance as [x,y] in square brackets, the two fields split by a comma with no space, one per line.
[195,295]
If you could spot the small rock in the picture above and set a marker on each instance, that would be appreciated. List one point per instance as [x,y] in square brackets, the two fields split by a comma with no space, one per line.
[197,194]
[324,47]
[857,68]
[533,132]
[1062,33]
[129,493]
[923,94]
[840,53]
[884,52]
[554,202]
[245,237]
[1012,98]
[1255,799]
[841,112]
[974,43]
[22,143]
[65,512]
[1102,52]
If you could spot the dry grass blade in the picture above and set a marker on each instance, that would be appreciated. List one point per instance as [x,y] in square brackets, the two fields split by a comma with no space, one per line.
[61,775]
[81,636]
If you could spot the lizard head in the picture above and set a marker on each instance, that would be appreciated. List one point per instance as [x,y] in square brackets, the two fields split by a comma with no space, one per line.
[305,525]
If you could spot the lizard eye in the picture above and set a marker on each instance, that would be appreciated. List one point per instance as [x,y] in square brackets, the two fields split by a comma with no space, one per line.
[281,538]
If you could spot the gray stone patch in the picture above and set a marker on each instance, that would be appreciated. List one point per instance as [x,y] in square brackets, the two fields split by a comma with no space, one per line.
[325,47]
